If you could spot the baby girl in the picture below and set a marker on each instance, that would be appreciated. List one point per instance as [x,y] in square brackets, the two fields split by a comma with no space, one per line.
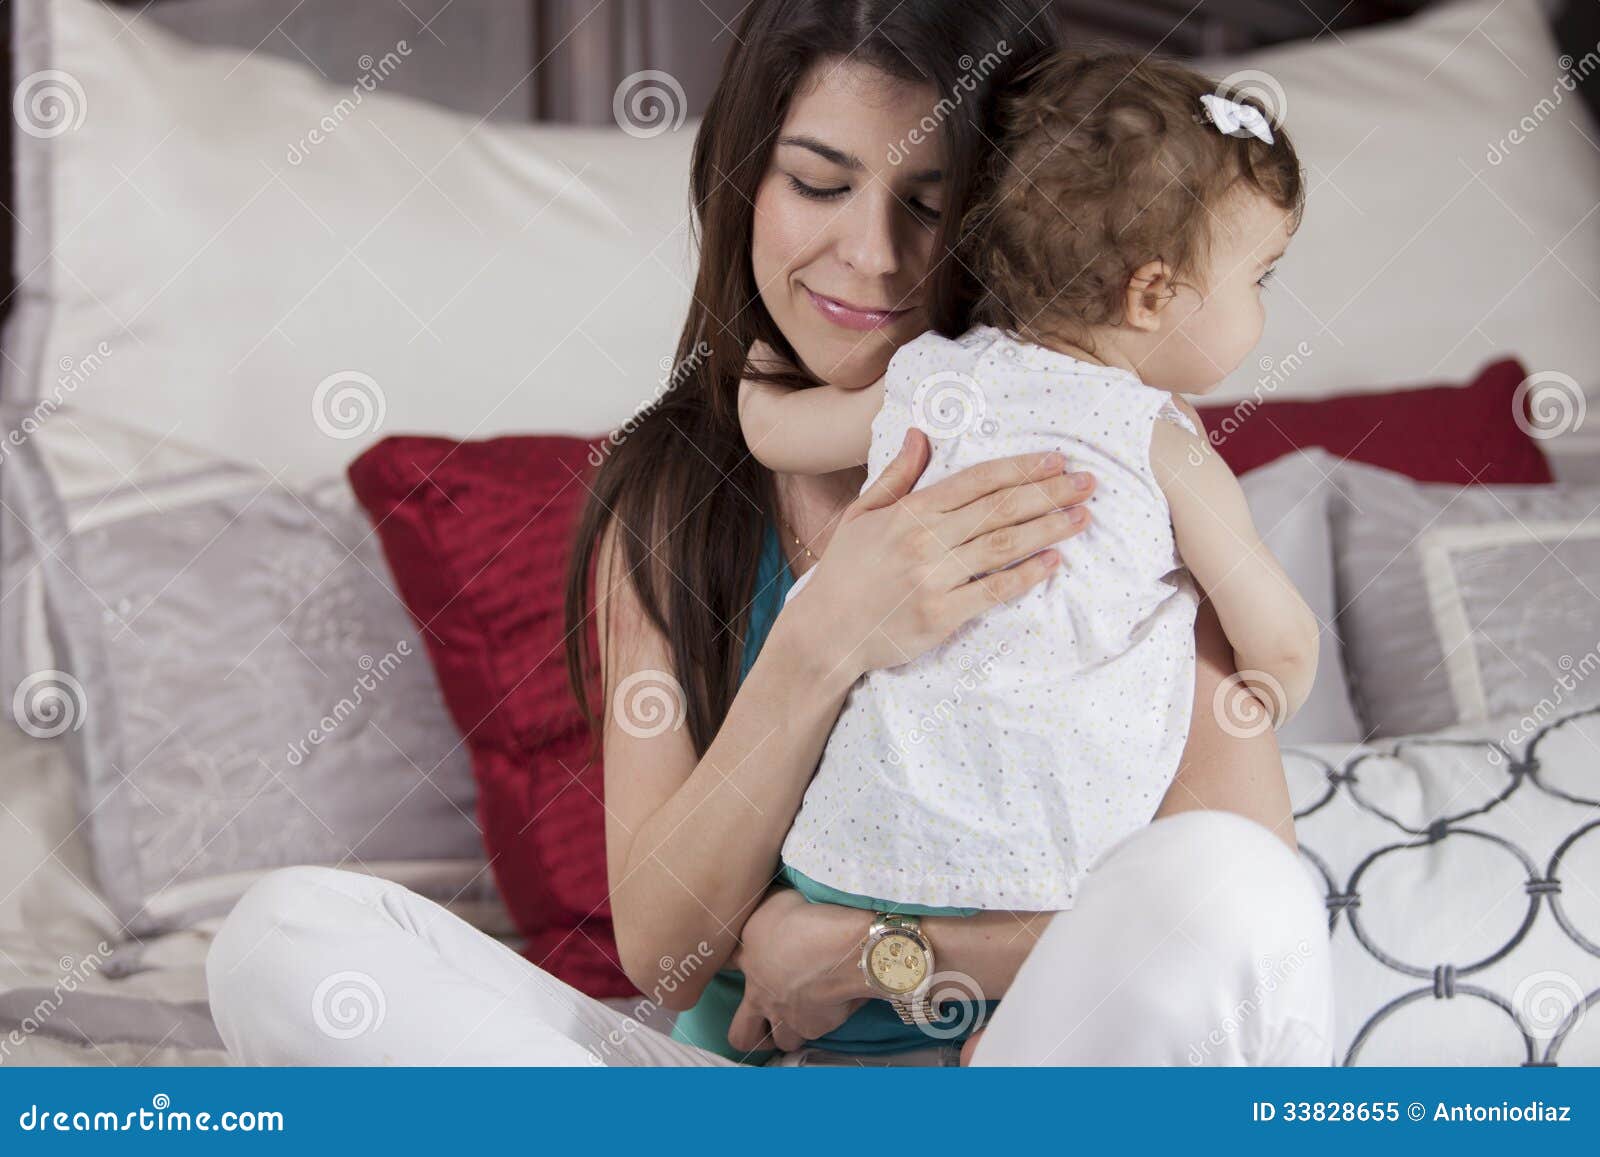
[1124,244]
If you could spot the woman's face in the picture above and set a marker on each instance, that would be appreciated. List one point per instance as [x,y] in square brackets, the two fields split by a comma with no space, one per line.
[845,219]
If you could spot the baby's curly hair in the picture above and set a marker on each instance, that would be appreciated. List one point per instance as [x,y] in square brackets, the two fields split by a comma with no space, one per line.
[1108,161]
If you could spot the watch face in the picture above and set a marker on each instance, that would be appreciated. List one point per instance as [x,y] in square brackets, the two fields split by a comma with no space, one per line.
[898,963]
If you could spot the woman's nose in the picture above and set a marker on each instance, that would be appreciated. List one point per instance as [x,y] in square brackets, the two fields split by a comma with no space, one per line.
[869,244]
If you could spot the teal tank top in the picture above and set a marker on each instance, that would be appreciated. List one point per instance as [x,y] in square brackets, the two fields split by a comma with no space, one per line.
[874,1028]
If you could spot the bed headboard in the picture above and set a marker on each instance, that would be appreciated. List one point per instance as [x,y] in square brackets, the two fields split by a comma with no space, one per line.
[561,60]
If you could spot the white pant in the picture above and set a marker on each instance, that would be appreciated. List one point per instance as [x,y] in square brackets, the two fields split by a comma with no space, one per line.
[1198,939]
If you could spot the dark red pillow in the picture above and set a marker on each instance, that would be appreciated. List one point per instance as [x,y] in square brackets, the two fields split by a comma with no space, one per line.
[1458,434]
[478,535]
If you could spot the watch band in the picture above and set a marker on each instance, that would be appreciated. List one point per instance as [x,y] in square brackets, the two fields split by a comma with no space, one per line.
[914,1010]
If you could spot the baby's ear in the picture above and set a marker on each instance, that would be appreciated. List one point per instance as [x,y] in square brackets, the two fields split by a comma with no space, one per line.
[1149,290]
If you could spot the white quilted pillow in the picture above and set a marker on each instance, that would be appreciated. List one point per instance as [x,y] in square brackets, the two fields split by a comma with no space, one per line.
[1460,870]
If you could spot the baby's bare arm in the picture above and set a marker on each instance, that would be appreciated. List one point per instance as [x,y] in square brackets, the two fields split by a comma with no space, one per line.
[808,431]
[1271,628]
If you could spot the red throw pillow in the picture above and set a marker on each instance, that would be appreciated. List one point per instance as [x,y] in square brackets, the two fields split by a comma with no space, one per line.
[478,535]
[1458,434]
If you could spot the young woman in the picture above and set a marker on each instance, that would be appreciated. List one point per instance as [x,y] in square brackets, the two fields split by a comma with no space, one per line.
[831,167]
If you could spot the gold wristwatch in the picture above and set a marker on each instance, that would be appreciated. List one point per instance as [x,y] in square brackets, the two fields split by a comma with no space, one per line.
[897,961]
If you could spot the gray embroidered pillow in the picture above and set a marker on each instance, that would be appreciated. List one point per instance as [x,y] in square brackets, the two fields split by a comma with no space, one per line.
[1461,603]
[241,689]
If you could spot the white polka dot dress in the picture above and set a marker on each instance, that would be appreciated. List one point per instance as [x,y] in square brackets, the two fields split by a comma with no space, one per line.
[992,771]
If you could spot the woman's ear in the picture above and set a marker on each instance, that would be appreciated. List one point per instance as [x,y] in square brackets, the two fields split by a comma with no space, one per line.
[1149,290]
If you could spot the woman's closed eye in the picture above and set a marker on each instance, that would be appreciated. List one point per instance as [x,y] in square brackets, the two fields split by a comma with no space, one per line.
[814,192]
[1265,278]
[832,193]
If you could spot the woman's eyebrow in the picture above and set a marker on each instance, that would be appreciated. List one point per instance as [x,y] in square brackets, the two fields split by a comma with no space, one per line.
[826,152]
[847,161]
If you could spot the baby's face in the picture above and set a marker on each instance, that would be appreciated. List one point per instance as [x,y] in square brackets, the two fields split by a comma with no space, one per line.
[1211,328]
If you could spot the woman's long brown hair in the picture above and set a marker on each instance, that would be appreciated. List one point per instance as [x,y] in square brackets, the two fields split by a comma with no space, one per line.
[688,501]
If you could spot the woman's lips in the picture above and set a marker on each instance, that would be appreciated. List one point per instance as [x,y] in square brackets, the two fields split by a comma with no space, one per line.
[842,313]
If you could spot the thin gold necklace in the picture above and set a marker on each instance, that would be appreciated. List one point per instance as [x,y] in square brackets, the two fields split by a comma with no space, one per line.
[789,530]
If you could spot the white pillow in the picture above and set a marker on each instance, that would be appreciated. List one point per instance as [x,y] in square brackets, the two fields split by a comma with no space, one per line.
[1431,243]
[1457,869]
[479,278]
[486,278]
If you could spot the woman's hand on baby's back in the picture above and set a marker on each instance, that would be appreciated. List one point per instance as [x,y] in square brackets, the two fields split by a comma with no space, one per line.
[905,569]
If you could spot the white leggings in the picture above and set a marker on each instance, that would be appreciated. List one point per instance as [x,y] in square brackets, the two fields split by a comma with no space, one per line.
[1198,939]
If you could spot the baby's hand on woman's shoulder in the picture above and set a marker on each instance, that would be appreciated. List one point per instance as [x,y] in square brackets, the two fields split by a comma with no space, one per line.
[760,403]
[810,430]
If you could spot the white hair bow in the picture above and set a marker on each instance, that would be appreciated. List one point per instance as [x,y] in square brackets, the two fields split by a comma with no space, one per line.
[1231,115]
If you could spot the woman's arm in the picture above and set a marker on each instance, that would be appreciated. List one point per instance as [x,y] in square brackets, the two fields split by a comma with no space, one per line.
[811,431]
[802,973]
[692,844]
